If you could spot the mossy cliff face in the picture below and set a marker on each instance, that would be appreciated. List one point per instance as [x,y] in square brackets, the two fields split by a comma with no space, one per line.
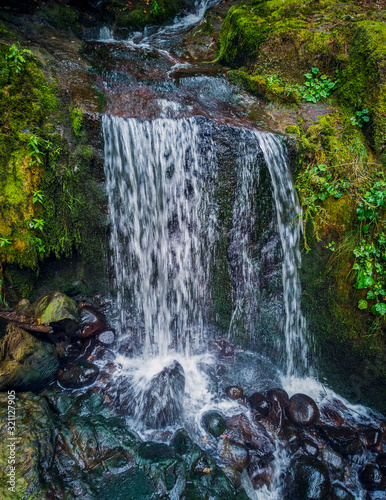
[286,39]
[51,193]
[340,167]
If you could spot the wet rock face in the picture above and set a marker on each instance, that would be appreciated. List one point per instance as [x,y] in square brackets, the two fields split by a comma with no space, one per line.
[302,410]
[307,478]
[221,347]
[213,422]
[163,399]
[77,375]
[26,363]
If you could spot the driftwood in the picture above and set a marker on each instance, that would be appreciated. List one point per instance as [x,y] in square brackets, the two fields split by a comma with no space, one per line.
[19,321]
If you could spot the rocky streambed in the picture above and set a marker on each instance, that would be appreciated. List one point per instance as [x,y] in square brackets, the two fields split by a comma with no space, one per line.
[77,436]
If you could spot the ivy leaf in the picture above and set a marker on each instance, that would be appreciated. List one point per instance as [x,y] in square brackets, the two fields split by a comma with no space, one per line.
[362,304]
[379,308]
[364,281]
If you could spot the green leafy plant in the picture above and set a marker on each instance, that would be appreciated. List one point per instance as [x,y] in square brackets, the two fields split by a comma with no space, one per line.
[331,246]
[373,200]
[360,118]
[16,57]
[156,10]
[35,143]
[37,224]
[4,242]
[37,196]
[315,185]
[316,88]
[37,245]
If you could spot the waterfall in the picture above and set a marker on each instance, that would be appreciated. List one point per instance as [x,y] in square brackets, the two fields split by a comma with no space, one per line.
[289,223]
[161,179]
[163,223]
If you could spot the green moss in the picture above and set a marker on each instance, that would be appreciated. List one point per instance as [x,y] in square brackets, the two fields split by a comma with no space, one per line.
[268,86]
[69,216]
[154,12]
[76,120]
[62,17]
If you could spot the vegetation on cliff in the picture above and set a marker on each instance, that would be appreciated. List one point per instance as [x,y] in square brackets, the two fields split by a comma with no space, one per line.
[332,54]
[46,168]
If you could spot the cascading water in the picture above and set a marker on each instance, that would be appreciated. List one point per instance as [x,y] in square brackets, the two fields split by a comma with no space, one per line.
[164,175]
[163,224]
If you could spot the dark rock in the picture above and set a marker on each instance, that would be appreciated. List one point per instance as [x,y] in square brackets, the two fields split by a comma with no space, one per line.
[162,401]
[26,363]
[221,347]
[310,448]
[307,478]
[242,430]
[276,416]
[302,410]
[53,308]
[261,475]
[92,321]
[233,454]
[213,422]
[76,375]
[343,439]
[279,395]
[291,437]
[106,338]
[339,492]
[372,478]
[234,392]
[332,459]
[233,475]
[371,438]
[381,461]
[259,403]
[251,371]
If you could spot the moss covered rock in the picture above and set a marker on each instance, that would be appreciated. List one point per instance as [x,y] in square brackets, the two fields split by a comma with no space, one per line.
[53,308]
[34,446]
[26,363]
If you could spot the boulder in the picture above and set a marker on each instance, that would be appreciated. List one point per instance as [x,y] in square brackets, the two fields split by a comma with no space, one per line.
[372,477]
[302,410]
[233,454]
[161,403]
[106,338]
[92,322]
[343,438]
[307,478]
[234,392]
[53,308]
[26,363]
[213,422]
[242,430]
[77,375]
[339,492]
[332,459]
[259,403]
[261,475]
